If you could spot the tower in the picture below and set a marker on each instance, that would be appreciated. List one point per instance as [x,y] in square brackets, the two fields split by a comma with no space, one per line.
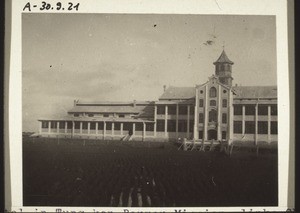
[223,69]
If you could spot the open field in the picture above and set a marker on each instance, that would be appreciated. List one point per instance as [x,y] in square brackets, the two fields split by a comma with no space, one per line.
[113,173]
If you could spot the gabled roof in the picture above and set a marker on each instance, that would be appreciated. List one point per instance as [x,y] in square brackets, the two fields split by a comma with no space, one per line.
[178,93]
[223,59]
[253,92]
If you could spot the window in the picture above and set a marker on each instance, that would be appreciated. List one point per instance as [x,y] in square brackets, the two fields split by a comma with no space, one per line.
[76,115]
[61,124]
[212,116]
[262,127]
[91,115]
[224,103]
[249,127]
[200,102]
[224,135]
[92,125]
[201,118]
[224,91]
[117,126]
[274,128]
[249,109]
[139,127]
[213,92]
[200,134]
[100,126]
[192,110]
[201,91]
[84,125]
[53,125]
[191,129]
[44,124]
[121,116]
[273,109]
[108,126]
[262,110]
[182,110]
[172,110]
[77,125]
[106,115]
[224,118]
[160,110]
[212,103]
[69,125]
[171,126]
[150,127]
[237,127]
[182,125]
[160,125]
[238,110]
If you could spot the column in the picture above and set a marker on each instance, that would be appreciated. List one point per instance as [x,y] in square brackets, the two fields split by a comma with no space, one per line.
[219,123]
[269,123]
[96,127]
[196,114]
[113,128]
[121,128]
[177,114]
[243,119]
[104,129]
[230,118]
[57,127]
[89,126]
[166,120]
[155,119]
[73,128]
[188,122]
[205,114]
[256,122]
[49,126]
[80,128]
[66,127]
[133,129]
[144,130]
[40,127]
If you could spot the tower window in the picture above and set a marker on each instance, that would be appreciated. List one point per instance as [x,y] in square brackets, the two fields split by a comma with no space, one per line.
[212,103]
[213,116]
[201,118]
[224,118]
[224,103]
[200,102]
[213,92]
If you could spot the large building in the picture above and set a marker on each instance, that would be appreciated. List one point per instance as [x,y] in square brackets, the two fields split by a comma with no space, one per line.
[215,110]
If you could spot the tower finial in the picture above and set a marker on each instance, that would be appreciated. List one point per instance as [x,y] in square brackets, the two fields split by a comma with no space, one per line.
[223,45]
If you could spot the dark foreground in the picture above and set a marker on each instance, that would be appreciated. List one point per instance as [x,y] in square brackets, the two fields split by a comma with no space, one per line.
[71,173]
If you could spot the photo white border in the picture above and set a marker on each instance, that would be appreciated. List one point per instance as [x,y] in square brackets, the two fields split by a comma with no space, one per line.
[217,7]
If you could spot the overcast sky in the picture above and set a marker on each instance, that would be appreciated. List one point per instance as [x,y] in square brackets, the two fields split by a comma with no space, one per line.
[110,57]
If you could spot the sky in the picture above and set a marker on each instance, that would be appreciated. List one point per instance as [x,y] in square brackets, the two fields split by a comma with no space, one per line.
[126,57]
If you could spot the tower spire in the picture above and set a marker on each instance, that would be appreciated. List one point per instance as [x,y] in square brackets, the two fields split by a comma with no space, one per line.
[224,68]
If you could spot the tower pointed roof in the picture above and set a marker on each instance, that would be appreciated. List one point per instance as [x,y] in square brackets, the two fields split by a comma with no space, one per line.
[223,58]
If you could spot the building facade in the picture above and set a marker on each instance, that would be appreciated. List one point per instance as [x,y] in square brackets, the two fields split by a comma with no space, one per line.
[215,110]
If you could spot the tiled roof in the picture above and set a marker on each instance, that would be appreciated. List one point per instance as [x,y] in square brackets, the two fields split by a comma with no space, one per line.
[255,92]
[223,59]
[178,93]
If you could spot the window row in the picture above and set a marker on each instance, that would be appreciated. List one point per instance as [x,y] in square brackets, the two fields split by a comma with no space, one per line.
[213,103]
[213,117]
[250,109]
[182,110]
[262,127]
[171,125]
[117,125]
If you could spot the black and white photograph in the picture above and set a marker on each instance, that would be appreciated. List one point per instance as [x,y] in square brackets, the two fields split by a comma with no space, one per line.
[144,110]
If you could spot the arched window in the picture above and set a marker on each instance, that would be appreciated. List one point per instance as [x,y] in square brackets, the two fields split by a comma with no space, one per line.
[213,92]
[212,116]
[212,103]
[224,103]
